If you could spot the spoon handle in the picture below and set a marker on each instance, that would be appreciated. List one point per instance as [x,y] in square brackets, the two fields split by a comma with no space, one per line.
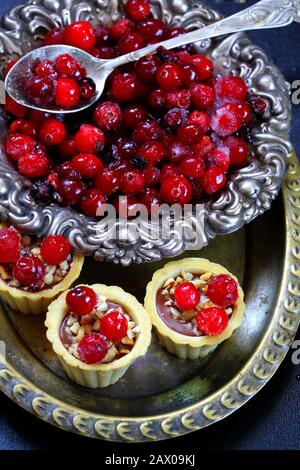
[262,15]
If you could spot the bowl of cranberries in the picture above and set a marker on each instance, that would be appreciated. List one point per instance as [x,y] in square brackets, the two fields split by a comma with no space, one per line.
[202,125]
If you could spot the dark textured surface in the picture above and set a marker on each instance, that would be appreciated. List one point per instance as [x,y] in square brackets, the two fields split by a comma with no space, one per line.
[271,420]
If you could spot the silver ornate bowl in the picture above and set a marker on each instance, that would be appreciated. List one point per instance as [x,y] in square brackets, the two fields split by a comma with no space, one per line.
[249,191]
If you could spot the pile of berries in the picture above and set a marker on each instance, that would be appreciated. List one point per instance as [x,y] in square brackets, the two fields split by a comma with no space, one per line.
[165,129]
[62,83]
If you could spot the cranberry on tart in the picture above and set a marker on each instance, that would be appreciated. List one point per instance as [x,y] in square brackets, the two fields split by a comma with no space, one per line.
[194,305]
[34,272]
[97,332]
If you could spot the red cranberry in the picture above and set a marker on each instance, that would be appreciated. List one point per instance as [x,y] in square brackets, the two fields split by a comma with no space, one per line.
[40,90]
[29,271]
[150,198]
[238,150]
[178,99]
[246,112]
[18,145]
[12,107]
[176,189]
[27,127]
[231,88]
[169,77]
[132,182]
[33,165]
[130,42]
[152,152]
[147,130]
[186,296]
[201,118]
[93,202]
[126,148]
[203,96]
[212,321]
[133,114]
[87,165]
[152,30]
[81,300]
[177,151]
[108,181]
[124,87]
[52,132]
[10,245]
[137,9]
[55,249]
[203,65]
[213,180]
[80,34]
[108,116]
[190,133]
[258,105]
[222,290]
[67,148]
[71,190]
[92,348]
[218,159]
[151,176]
[175,117]
[226,120]
[87,88]
[190,75]
[114,326]
[54,36]
[121,27]
[103,52]
[67,92]
[44,68]
[157,99]
[192,167]
[66,170]
[204,148]
[102,35]
[65,64]
[146,68]
[89,139]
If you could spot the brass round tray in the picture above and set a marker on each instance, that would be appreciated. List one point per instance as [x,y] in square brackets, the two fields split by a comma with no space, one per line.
[161,396]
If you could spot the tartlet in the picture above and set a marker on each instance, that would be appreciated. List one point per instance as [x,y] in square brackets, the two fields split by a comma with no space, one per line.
[189,341]
[79,344]
[28,283]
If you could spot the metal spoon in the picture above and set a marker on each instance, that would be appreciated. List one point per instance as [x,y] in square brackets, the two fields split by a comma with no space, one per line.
[262,15]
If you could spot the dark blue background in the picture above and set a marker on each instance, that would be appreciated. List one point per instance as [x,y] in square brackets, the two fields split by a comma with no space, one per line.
[271,420]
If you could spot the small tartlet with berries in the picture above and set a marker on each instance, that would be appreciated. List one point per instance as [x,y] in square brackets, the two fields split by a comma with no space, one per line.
[34,272]
[194,305]
[97,332]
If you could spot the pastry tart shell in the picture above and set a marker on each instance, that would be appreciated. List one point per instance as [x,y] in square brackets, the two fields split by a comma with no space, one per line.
[38,302]
[183,346]
[99,375]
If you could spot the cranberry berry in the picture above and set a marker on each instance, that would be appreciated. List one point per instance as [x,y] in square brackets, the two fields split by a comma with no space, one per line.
[87,165]
[93,203]
[108,116]
[137,9]
[213,180]
[33,165]
[89,139]
[52,132]
[169,77]
[80,34]
[18,145]
[176,189]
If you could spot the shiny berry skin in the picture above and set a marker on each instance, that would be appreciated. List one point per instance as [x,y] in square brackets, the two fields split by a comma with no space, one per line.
[186,296]
[212,321]
[213,180]
[190,75]
[151,176]
[178,99]
[226,120]
[55,249]
[258,105]
[121,27]
[114,326]
[137,9]
[203,65]
[132,182]
[80,34]
[87,88]
[12,107]
[44,68]
[175,117]
[169,169]
[130,42]
[190,133]
[126,206]
[203,96]
[222,290]
[40,90]
[246,112]
[67,92]
[146,130]
[87,165]
[52,132]
[149,198]
[33,165]
[169,77]
[89,139]
[67,148]
[152,30]
[231,88]
[204,148]
[108,181]
[201,118]
[126,148]
[176,189]
[66,170]
[92,348]
[108,116]
[156,99]
[71,190]
[27,127]
[152,152]
[18,145]
[10,245]
[81,300]
[65,64]
[54,36]
[177,151]
[124,87]
[238,150]
[133,114]
[93,203]
[192,167]
[146,68]
[102,34]
[29,271]
[218,159]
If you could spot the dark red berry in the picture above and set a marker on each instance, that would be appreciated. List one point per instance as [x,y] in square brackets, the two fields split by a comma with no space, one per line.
[169,169]
[218,159]
[52,132]
[66,170]
[186,296]
[93,203]
[54,36]
[177,151]
[121,27]
[80,34]
[126,148]
[12,107]
[70,190]
[87,165]
[103,35]
[238,150]
[65,64]
[152,152]
[231,88]
[175,117]
[55,249]
[67,92]
[108,181]
[203,65]
[44,68]
[203,96]
[204,148]
[81,300]
[222,290]
[10,245]
[133,114]
[92,348]
[212,321]
[132,182]
[146,68]
[89,139]
[18,145]
[33,165]
[130,42]
[192,167]
[124,87]
[87,88]
[258,104]
[27,127]
[67,148]
[169,77]
[190,133]
[157,99]
[213,180]
[147,130]
[152,30]
[190,75]
[114,326]
[29,271]
[137,9]
[176,189]
[150,198]
[178,99]
[40,90]
[151,176]
[108,116]
[201,118]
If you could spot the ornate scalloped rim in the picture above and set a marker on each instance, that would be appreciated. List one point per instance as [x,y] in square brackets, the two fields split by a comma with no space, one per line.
[253,376]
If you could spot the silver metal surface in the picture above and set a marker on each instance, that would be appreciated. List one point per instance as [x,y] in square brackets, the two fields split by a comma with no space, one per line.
[249,191]
[262,15]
